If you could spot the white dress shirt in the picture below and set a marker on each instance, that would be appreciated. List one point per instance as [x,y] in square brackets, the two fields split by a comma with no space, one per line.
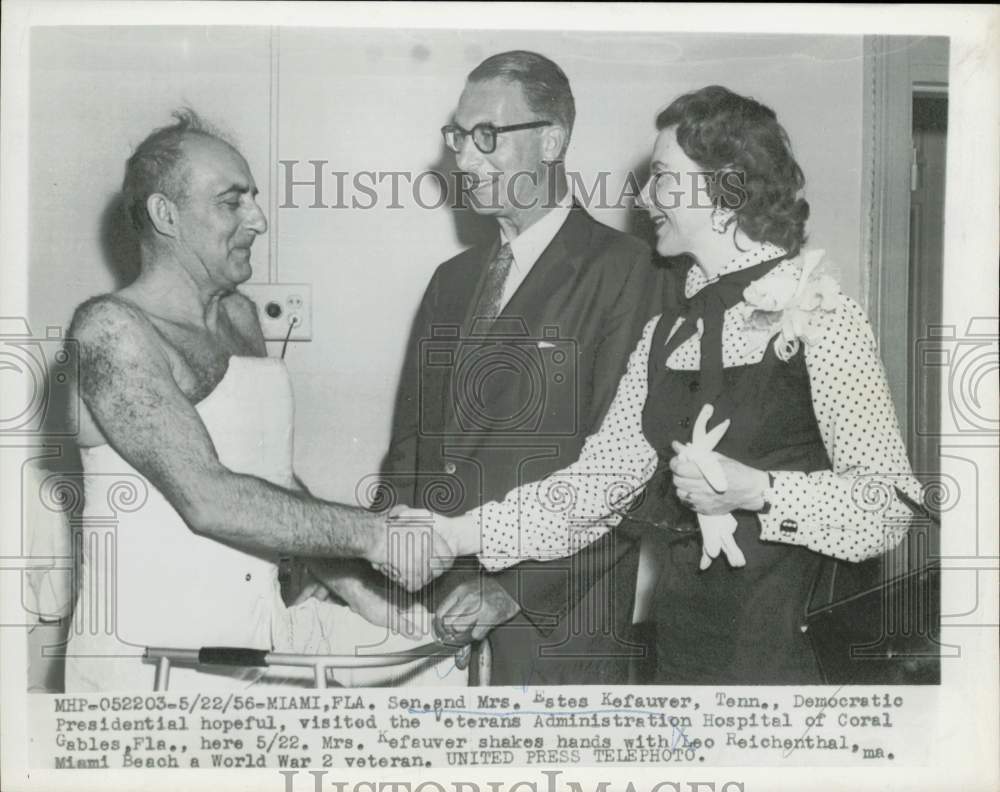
[529,245]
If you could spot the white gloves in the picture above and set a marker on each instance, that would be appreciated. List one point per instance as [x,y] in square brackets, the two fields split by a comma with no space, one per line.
[717,530]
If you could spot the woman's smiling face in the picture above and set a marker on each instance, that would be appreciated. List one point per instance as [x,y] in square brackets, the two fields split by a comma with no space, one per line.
[676,197]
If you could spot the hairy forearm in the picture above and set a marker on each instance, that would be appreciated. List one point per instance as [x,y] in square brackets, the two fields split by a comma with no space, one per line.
[257,515]
[128,387]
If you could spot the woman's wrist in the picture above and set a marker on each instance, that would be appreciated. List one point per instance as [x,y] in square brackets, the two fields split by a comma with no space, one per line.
[759,501]
[462,533]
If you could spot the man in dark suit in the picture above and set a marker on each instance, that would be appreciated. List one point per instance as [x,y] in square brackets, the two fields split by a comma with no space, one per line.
[514,357]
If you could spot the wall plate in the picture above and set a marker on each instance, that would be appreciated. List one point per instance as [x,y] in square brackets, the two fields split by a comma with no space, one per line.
[278,304]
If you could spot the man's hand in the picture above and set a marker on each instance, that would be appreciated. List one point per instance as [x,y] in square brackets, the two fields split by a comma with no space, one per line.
[472,609]
[371,596]
[410,551]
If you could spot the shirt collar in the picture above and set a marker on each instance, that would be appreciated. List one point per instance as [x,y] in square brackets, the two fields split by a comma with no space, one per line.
[531,243]
[697,280]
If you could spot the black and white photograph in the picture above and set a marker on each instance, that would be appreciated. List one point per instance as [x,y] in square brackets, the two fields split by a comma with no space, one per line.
[499,390]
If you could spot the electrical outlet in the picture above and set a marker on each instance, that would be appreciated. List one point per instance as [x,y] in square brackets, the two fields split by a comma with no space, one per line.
[278,305]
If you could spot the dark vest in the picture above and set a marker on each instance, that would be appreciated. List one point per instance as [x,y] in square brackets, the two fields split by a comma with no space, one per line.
[726,625]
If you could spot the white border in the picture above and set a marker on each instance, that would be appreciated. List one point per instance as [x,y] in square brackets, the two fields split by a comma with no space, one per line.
[967,731]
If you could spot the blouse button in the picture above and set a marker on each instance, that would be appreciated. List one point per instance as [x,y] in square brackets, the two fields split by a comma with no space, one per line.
[450,468]
[684,423]
[248,576]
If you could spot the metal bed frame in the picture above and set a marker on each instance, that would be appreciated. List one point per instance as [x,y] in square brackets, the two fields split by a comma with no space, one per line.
[480,660]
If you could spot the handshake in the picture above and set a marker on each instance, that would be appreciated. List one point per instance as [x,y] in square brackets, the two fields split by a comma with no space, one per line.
[410,548]
[417,545]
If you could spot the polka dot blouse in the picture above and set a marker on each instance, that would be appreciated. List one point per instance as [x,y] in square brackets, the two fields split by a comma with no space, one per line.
[850,512]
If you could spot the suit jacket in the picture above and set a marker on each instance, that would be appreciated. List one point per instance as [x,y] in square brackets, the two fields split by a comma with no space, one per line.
[483,407]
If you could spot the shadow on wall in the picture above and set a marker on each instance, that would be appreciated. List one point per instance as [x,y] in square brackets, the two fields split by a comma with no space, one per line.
[119,242]
[120,246]
[637,221]
[59,430]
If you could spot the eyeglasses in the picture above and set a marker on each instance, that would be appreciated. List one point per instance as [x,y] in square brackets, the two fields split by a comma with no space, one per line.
[483,135]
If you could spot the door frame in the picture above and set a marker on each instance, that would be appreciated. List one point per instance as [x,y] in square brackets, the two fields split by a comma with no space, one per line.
[895,68]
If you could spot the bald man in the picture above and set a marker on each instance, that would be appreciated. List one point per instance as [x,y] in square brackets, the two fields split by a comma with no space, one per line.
[181,401]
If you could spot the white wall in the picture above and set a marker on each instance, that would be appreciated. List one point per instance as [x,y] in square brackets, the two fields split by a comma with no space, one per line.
[96,93]
[373,101]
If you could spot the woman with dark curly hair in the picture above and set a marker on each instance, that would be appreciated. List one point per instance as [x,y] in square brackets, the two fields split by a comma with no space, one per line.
[753,420]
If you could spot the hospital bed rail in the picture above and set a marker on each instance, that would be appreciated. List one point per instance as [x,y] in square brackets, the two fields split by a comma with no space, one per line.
[479,664]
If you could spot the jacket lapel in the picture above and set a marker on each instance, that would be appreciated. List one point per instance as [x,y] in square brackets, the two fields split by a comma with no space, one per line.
[456,308]
[554,271]
[538,302]
[461,295]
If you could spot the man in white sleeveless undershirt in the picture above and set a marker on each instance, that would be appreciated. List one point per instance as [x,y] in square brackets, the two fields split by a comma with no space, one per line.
[177,391]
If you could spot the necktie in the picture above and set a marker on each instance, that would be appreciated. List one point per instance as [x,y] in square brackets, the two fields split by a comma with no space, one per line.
[491,301]
[710,305]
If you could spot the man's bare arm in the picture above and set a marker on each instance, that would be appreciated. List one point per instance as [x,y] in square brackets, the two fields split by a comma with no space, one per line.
[127,385]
